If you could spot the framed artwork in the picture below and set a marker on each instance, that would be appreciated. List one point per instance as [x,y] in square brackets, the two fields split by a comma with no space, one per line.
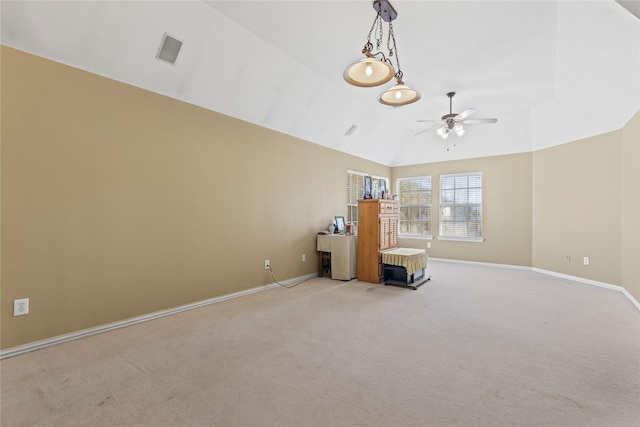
[340,225]
[367,187]
[383,187]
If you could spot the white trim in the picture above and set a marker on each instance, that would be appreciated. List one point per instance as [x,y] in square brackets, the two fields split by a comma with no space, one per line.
[49,342]
[462,239]
[415,236]
[488,264]
[550,273]
[592,283]
[26,348]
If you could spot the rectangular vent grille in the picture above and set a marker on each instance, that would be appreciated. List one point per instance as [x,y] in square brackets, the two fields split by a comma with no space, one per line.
[169,49]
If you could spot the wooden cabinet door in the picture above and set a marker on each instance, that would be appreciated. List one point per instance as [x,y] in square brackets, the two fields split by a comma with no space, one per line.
[393,232]
[384,233]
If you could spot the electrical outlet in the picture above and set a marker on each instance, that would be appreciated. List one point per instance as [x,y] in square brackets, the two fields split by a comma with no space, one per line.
[428,245]
[20,306]
[585,260]
[267,264]
[304,257]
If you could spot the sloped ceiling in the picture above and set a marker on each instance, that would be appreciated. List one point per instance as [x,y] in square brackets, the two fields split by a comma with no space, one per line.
[550,71]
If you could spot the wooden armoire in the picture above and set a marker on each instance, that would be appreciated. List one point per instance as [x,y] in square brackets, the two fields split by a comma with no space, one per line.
[377,231]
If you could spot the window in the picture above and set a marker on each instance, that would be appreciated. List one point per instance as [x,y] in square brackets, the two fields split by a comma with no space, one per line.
[415,206]
[355,191]
[461,206]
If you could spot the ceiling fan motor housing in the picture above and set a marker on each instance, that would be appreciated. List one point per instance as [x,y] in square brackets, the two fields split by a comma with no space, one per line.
[448,119]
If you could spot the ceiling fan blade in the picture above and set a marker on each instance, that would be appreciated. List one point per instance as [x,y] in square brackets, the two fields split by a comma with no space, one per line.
[429,120]
[466,113]
[478,121]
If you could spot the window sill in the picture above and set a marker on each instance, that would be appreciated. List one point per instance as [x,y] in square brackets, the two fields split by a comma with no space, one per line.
[462,239]
[411,236]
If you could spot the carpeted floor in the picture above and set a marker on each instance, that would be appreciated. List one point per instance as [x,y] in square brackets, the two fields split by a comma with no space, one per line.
[475,346]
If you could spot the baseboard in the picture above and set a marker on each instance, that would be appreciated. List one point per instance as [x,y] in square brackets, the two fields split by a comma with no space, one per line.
[592,283]
[551,273]
[26,348]
[488,264]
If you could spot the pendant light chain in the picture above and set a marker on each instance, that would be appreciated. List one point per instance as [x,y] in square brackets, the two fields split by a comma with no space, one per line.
[377,26]
[379,31]
[393,49]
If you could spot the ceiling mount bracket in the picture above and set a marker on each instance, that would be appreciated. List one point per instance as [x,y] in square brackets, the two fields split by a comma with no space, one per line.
[386,11]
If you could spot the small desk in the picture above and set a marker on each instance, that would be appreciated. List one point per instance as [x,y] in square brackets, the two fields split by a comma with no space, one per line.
[405,267]
[343,255]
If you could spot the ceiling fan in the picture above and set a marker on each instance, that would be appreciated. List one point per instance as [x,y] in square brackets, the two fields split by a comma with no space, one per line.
[454,122]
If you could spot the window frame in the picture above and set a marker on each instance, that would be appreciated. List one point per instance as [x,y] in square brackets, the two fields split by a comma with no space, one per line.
[352,205]
[479,206]
[428,206]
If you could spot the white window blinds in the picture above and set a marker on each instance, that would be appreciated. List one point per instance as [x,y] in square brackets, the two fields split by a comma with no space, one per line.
[415,206]
[461,206]
[355,191]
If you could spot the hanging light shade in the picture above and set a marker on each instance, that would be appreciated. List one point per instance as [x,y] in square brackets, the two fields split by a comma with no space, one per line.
[398,95]
[376,68]
[369,72]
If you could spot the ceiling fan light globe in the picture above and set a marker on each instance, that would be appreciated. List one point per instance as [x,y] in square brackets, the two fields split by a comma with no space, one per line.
[398,95]
[368,72]
[459,130]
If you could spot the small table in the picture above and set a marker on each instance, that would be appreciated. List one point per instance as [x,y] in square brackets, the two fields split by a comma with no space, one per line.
[405,267]
[341,250]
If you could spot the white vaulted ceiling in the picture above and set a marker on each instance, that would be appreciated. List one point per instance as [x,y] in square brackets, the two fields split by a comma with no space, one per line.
[551,71]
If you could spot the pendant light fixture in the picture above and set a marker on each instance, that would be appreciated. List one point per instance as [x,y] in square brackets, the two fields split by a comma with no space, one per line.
[376,69]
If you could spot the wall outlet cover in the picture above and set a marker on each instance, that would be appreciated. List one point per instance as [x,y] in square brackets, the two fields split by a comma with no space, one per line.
[20,306]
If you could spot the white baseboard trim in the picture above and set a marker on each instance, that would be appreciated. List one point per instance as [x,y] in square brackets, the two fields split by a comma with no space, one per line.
[550,273]
[488,264]
[592,283]
[49,342]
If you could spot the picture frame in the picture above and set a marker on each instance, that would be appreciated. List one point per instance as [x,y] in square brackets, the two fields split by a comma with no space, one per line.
[340,224]
[383,188]
[367,187]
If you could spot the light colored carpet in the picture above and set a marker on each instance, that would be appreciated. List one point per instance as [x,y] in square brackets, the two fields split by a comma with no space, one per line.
[475,346]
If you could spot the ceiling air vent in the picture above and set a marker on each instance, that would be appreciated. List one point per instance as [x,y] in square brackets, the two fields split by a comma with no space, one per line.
[169,49]
[351,130]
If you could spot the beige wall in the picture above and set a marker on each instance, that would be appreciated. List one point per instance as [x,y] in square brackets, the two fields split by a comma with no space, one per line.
[585,203]
[117,202]
[506,209]
[630,210]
